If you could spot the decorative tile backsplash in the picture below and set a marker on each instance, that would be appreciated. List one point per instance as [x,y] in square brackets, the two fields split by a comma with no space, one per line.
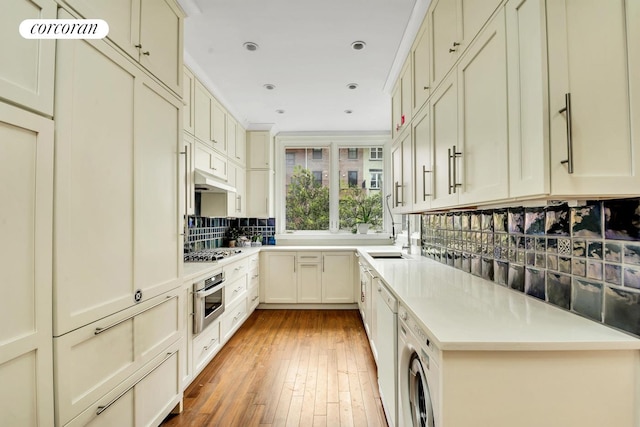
[209,233]
[585,259]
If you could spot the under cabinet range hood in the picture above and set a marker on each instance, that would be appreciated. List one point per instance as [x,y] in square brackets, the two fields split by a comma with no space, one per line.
[207,183]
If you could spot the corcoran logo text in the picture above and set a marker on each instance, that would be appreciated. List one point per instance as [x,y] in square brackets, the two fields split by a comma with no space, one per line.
[64,29]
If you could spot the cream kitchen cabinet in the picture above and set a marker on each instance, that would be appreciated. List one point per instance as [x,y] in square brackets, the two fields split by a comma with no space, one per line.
[337,277]
[422,151]
[150,31]
[233,318]
[402,174]
[594,91]
[94,360]
[260,149]
[253,286]
[27,70]
[421,61]
[260,193]
[279,273]
[211,161]
[402,101]
[188,98]
[226,203]
[26,191]
[469,134]
[454,24]
[241,145]
[202,103]
[112,248]
[205,346]
[144,399]
[309,278]
[219,126]
[231,128]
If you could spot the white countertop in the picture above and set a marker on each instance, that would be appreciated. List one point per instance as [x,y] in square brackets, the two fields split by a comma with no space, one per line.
[464,312]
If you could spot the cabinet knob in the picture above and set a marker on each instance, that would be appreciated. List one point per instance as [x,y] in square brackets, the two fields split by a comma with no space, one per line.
[451,50]
[146,53]
[426,88]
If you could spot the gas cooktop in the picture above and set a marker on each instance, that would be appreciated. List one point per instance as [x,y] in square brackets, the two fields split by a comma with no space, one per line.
[210,255]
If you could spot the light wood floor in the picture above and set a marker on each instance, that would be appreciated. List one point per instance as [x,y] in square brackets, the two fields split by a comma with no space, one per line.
[288,368]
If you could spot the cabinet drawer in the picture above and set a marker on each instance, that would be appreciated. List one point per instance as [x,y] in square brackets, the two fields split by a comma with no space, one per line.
[253,299]
[233,318]
[254,262]
[236,269]
[145,398]
[205,345]
[92,360]
[308,257]
[235,290]
[254,278]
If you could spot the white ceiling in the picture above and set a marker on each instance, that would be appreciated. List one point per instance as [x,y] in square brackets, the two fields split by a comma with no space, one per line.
[305,51]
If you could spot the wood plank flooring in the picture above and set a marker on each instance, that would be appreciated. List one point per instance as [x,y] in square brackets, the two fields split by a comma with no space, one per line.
[288,368]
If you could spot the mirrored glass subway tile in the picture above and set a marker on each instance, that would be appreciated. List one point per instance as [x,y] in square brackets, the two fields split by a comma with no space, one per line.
[534,221]
[552,245]
[564,247]
[501,272]
[564,264]
[579,267]
[559,289]
[500,220]
[594,250]
[613,274]
[476,265]
[530,258]
[622,309]
[541,260]
[530,243]
[632,254]
[486,220]
[515,278]
[557,220]
[594,270]
[579,248]
[466,262]
[534,283]
[612,252]
[515,220]
[586,221]
[541,244]
[631,277]
[586,298]
[622,219]
[487,268]
[521,258]
[513,254]
[457,221]
[457,260]
[552,262]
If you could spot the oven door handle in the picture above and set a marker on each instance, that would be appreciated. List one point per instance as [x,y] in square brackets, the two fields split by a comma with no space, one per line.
[206,292]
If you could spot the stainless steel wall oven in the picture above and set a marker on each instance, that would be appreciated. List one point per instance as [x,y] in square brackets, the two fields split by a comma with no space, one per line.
[208,301]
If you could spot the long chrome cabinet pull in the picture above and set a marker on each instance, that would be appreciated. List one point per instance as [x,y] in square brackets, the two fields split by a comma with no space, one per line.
[424,185]
[567,110]
[398,185]
[449,169]
[103,408]
[101,330]
[453,171]
[186,188]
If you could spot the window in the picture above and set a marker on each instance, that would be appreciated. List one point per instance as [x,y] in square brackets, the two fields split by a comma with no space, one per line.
[353,178]
[375,153]
[327,185]
[376,179]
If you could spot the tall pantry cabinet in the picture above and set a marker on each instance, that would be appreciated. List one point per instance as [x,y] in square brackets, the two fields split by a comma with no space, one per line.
[26,212]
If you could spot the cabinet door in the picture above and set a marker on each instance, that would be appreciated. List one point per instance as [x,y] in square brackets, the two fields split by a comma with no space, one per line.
[396,108]
[241,145]
[259,193]
[309,282]
[231,137]
[422,161]
[27,78]
[93,272]
[188,95]
[218,127]
[444,137]
[337,277]
[157,242]
[396,174]
[473,15]
[26,191]
[407,92]
[279,277]
[202,113]
[593,68]
[444,39]
[528,98]
[421,62]
[161,41]
[219,166]
[482,125]
[241,193]
[260,151]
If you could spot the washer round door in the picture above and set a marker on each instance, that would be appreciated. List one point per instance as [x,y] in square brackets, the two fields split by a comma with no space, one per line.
[419,396]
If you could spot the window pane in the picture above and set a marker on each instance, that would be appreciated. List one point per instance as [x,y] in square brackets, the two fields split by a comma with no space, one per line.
[360,187]
[307,188]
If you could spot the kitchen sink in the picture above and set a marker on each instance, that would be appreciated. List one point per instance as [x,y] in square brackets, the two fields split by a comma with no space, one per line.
[388,255]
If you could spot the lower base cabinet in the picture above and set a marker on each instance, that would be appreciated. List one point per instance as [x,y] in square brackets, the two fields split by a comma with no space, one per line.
[144,399]
[233,318]
[205,345]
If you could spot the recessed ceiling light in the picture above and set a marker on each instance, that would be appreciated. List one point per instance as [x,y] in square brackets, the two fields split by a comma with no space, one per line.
[358,45]
[269,86]
[348,111]
[352,86]
[280,111]
[250,46]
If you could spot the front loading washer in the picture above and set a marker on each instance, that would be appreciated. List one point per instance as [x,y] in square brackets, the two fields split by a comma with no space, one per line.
[418,374]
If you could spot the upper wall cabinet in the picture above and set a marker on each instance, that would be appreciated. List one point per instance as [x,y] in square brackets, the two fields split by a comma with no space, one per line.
[420,57]
[454,24]
[260,148]
[402,100]
[188,98]
[402,173]
[594,97]
[27,68]
[150,31]
[422,150]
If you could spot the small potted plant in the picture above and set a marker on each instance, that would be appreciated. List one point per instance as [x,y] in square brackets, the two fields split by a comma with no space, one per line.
[233,233]
[256,240]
